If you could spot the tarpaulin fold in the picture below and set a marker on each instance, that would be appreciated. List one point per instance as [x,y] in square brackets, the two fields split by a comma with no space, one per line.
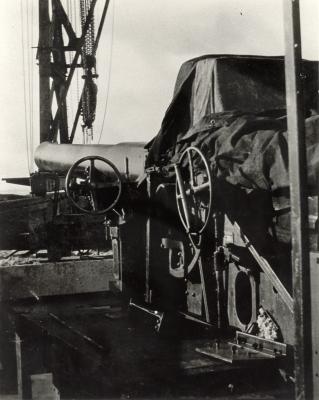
[233,109]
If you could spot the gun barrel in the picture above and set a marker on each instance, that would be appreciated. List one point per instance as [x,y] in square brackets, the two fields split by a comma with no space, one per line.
[128,157]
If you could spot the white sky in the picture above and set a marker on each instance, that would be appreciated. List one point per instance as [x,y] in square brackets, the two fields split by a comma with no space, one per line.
[152,38]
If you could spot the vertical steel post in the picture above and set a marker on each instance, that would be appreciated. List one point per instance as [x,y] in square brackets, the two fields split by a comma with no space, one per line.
[19,366]
[298,200]
[44,69]
[148,241]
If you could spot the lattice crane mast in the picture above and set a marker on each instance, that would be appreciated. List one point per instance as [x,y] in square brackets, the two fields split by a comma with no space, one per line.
[56,74]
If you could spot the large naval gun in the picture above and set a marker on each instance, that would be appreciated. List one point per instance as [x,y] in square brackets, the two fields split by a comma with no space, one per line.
[87,187]
[211,237]
[207,236]
[90,170]
[198,219]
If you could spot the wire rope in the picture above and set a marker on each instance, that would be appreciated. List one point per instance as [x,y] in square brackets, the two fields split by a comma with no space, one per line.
[69,100]
[29,78]
[24,84]
[32,92]
[28,72]
[76,24]
[109,71]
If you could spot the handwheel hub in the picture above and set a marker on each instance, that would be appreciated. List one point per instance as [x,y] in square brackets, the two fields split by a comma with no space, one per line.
[93,185]
[193,190]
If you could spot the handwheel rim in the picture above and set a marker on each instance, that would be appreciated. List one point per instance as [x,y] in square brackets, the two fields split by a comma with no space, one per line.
[181,210]
[68,181]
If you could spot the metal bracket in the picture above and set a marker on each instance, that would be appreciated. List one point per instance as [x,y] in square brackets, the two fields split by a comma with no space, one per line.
[176,256]
[267,269]
[245,349]
[158,315]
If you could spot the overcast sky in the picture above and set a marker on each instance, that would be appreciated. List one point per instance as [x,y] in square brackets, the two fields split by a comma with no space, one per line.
[151,39]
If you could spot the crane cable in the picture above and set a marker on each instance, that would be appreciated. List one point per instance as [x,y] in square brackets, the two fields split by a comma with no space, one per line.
[109,71]
[76,24]
[30,77]
[69,105]
[89,73]
[24,85]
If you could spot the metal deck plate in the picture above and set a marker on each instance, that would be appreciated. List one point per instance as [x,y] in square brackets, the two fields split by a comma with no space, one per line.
[245,349]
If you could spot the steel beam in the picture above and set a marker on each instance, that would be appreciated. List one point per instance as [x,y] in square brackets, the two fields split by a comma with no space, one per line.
[44,69]
[298,200]
[148,242]
[60,70]
[64,92]
[65,22]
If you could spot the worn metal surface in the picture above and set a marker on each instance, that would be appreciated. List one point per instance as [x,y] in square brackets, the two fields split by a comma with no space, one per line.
[53,157]
[265,287]
[314,279]
[117,254]
[135,362]
[270,347]
[267,269]
[194,298]
[176,256]
[233,353]
[92,355]
[247,298]
[271,301]
[298,200]
[246,349]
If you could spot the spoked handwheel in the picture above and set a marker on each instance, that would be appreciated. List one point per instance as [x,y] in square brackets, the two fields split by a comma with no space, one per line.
[193,190]
[93,185]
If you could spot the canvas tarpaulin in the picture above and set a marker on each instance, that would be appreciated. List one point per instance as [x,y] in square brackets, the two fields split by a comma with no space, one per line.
[232,108]
[249,154]
[213,84]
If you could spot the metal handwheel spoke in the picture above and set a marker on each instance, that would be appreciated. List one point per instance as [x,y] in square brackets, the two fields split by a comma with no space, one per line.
[191,170]
[189,196]
[93,200]
[91,170]
[200,188]
[94,185]
[182,197]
